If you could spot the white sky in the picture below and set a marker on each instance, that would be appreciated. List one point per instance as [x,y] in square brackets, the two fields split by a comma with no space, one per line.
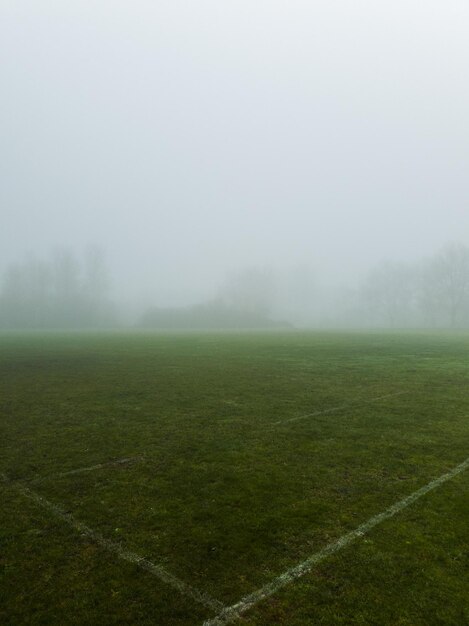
[192,137]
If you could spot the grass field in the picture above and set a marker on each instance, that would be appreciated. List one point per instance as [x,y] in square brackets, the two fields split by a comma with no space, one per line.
[225,461]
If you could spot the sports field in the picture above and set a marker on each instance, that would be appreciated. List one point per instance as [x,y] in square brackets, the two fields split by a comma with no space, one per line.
[291,479]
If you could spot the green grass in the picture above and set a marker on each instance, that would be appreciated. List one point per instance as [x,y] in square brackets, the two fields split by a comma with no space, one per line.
[221,495]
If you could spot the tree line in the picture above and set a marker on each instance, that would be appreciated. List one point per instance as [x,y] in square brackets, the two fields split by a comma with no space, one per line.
[430,293]
[62,291]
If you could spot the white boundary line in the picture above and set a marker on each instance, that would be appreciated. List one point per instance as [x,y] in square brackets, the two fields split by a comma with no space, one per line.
[339,408]
[117,549]
[236,611]
[91,468]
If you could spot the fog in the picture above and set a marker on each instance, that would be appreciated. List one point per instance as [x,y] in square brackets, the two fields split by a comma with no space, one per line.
[304,162]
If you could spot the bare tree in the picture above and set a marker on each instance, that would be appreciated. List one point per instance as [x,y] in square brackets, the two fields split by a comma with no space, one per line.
[57,293]
[389,294]
[251,291]
[297,295]
[445,286]
[26,294]
[96,285]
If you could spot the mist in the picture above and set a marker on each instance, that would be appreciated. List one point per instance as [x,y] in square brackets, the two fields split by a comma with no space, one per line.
[239,164]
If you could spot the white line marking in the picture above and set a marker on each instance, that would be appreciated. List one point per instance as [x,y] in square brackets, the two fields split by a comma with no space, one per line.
[91,468]
[339,408]
[235,612]
[118,549]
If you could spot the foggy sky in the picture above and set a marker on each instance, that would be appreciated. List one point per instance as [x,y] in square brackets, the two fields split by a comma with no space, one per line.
[189,138]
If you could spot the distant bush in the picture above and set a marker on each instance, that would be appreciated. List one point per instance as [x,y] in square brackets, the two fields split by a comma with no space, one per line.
[209,316]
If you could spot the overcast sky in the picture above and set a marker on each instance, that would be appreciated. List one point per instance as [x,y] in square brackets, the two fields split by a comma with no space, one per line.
[191,137]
